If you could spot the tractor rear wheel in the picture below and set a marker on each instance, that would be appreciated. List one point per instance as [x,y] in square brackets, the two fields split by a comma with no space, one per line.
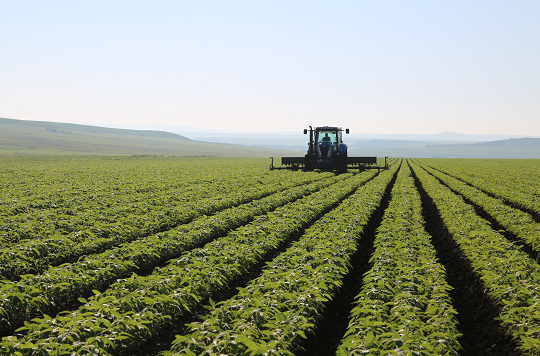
[308,167]
[343,164]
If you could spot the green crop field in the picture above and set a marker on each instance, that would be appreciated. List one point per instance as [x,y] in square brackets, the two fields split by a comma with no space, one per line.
[148,255]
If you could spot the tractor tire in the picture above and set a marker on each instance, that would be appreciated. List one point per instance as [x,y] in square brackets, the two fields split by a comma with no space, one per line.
[308,167]
[343,164]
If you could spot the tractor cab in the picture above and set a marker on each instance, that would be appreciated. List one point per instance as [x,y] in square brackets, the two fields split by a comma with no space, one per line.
[326,149]
[327,141]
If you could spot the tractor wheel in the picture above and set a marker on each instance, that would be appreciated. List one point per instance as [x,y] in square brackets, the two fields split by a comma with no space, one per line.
[343,164]
[308,167]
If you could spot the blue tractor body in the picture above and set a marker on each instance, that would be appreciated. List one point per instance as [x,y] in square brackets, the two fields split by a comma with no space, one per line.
[326,149]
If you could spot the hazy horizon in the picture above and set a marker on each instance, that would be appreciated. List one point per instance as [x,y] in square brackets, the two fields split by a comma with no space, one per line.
[387,67]
[197,133]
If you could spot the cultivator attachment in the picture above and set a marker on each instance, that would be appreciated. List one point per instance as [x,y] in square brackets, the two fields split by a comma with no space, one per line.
[360,163]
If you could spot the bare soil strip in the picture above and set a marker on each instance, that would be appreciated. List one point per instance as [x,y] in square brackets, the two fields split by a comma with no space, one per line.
[482,335]
[335,318]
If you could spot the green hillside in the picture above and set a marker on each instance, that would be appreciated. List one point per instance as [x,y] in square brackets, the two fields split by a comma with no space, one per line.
[18,137]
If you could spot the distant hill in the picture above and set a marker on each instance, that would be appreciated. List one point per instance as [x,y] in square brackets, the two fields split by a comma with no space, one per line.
[368,144]
[21,137]
[510,148]
[512,142]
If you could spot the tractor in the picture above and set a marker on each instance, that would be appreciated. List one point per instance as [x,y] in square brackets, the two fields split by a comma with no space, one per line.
[326,152]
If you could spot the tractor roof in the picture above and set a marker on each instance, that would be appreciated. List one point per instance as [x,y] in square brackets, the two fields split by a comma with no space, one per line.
[327,128]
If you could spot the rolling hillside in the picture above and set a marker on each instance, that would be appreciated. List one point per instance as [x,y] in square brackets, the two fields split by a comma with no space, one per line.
[19,137]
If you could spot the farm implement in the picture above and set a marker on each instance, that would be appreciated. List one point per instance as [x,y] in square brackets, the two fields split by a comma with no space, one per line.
[327,152]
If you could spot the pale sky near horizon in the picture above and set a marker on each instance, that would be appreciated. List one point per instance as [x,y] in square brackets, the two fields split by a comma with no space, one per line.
[471,67]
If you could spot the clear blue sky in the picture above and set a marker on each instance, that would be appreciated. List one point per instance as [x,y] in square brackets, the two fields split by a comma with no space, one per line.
[373,66]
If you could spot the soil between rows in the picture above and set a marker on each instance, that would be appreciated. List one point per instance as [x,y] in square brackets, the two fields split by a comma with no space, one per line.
[482,335]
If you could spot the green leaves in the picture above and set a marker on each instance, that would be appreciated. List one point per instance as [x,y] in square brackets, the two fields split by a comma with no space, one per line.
[277,311]
[403,307]
[141,306]
[510,276]
[514,220]
[102,219]
[63,283]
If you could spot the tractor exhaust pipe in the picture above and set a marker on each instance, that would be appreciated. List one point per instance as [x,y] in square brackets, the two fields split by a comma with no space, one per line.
[311,145]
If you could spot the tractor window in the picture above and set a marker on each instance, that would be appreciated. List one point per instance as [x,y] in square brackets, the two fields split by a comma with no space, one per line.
[326,136]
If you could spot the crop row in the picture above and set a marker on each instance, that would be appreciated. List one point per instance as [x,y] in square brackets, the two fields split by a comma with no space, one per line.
[35,256]
[509,275]
[404,306]
[488,180]
[92,213]
[46,293]
[101,208]
[279,309]
[135,309]
[517,222]
[518,175]
[30,185]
